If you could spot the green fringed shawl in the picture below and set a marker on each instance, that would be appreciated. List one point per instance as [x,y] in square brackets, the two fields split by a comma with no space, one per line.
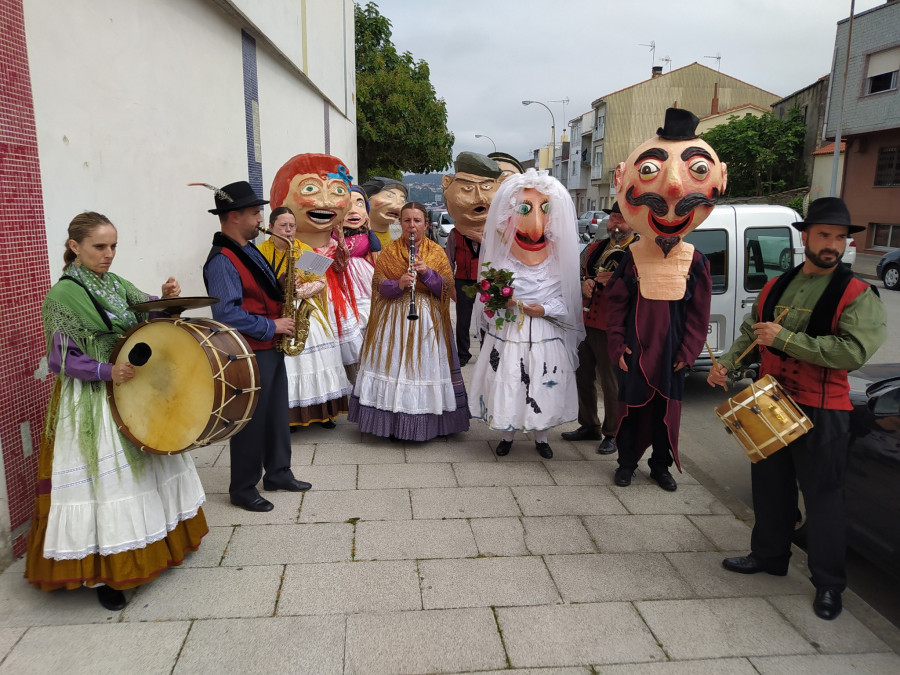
[70,311]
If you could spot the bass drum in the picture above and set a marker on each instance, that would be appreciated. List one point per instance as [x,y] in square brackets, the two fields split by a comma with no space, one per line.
[198,386]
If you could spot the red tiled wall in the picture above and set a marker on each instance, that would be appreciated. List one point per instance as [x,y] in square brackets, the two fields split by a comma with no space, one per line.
[24,274]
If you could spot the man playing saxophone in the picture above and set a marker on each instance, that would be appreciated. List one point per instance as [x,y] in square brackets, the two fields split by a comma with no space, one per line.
[251,300]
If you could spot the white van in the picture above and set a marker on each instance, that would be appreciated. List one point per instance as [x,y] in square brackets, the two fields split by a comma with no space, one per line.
[746,245]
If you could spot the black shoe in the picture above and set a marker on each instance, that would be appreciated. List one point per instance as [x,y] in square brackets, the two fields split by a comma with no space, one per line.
[607,446]
[582,434]
[544,450]
[114,600]
[827,604]
[664,480]
[750,564]
[503,448]
[290,485]
[256,504]
[328,424]
[623,477]
[463,360]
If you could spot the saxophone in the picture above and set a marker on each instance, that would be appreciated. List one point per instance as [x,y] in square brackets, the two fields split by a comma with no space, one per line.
[297,309]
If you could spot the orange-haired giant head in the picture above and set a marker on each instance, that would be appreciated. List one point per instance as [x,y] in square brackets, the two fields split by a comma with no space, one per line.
[316,188]
[670,183]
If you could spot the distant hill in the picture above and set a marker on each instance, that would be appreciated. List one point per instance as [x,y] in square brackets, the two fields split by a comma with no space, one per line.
[425,187]
[424,179]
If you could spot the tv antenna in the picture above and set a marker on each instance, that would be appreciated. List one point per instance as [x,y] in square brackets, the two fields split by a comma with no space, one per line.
[666,59]
[652,46]
[718,60]
[565,102]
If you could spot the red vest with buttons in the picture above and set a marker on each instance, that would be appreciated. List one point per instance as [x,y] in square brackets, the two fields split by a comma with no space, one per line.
[465,259]
[255,300]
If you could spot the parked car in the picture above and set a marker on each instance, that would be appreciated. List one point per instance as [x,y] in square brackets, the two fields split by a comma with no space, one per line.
[849,253]
[439,227]
[888,269]
[589,221]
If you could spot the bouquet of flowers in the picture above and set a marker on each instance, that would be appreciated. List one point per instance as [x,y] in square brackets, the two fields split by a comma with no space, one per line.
[494,290]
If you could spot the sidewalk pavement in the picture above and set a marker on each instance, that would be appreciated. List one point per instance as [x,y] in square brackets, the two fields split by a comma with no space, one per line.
[441,558]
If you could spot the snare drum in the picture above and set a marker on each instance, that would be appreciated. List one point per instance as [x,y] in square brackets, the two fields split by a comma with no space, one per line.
[762,418]
[198,387]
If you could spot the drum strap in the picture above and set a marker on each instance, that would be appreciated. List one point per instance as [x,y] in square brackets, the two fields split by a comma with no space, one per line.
[97,305]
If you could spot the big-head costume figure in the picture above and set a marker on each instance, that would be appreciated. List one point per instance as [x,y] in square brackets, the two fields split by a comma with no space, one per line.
[386,197]
[468,195]
[658,299]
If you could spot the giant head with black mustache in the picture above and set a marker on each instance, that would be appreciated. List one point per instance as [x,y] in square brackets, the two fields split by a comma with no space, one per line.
[666,188]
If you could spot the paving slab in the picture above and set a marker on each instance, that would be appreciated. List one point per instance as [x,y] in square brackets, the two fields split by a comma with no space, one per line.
[207,455]
[382,452]
[485,582]
[207,593]
[480,474]
[346,588]
[572,635]
[345,432]
[579,472]
[870,664]
[8,638]
[705,574]
[113,648]
[724,627]
[457,451]
[328,476]
[632,534]
[707,667]
[422,475]
[275,644]
[338,507]
[212,548]
[287,544]
[220,512]
[568,500]
[431,503]
[538,671]
[606,577]
[727,533]
[412,539]
[523,450]
[435,641]
[215,479]
[842,635]
[557,534]
[688,499]
[302,452]
[499,536]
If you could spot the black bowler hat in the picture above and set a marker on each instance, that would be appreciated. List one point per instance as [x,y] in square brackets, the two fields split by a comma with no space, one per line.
[615,209]
[828,211]
[235,196]
[680,125]
[506,157]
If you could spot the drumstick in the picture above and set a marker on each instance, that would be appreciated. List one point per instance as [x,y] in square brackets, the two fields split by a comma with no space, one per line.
[715,363]
[753,344]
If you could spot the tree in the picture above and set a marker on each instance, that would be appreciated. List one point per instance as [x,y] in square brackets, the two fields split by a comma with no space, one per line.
[401,125]
[764,154]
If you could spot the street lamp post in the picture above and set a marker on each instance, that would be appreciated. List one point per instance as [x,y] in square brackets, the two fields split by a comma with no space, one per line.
[552,134]
[489,138]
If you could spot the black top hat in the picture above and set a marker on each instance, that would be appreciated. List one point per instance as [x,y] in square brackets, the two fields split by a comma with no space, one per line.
[615,209]
[680,125]
[235,196]
[828,211]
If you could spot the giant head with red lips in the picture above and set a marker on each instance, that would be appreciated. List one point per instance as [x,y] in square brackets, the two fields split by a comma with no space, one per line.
[667,187]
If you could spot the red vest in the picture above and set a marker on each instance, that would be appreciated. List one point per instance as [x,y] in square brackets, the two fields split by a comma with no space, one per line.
[254,301]
[595,306]
[808,383]
[465,261]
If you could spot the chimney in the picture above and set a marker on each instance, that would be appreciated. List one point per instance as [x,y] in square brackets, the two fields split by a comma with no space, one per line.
[714,106]
[656,72]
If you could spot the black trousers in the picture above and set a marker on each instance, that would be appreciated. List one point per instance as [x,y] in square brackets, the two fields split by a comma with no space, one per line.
[595,367]
[653,413]
[464,306]
[817,461]
[265,442]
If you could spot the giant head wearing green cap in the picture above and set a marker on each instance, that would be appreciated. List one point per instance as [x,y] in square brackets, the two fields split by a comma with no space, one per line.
[468,193]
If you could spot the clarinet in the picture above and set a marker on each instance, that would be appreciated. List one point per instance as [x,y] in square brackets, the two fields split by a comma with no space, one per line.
[413,314]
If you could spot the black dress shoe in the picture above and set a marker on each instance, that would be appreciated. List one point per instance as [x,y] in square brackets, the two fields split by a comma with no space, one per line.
[544,450]
[291,485]
[114,600]
[328,424]
[582,434]
[750,564]
[256,504]
[503,448]
[607,446]
[623,477]
[827,604]
[664,480]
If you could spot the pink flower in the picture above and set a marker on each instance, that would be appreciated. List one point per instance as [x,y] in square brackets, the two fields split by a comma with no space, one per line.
[506,291]
[484,297]
[485,284]
[490,313]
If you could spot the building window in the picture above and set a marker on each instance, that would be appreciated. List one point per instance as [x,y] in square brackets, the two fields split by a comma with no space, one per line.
[887,170]
[885,235]
[600,127]
[882,71]
[598,161]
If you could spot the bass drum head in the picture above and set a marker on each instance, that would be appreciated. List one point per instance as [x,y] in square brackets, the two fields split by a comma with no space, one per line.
[166,406]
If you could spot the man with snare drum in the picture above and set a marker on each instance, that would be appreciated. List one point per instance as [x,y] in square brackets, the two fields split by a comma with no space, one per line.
[834,323]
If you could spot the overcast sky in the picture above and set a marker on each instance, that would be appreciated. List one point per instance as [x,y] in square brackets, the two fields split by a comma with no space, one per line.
[487,56]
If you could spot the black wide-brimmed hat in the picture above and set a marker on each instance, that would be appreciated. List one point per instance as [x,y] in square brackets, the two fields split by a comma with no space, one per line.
[615,209]
[828,211]
[680,125]
[235,196]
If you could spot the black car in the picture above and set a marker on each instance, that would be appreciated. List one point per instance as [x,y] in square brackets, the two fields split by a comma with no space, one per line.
[888,269]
